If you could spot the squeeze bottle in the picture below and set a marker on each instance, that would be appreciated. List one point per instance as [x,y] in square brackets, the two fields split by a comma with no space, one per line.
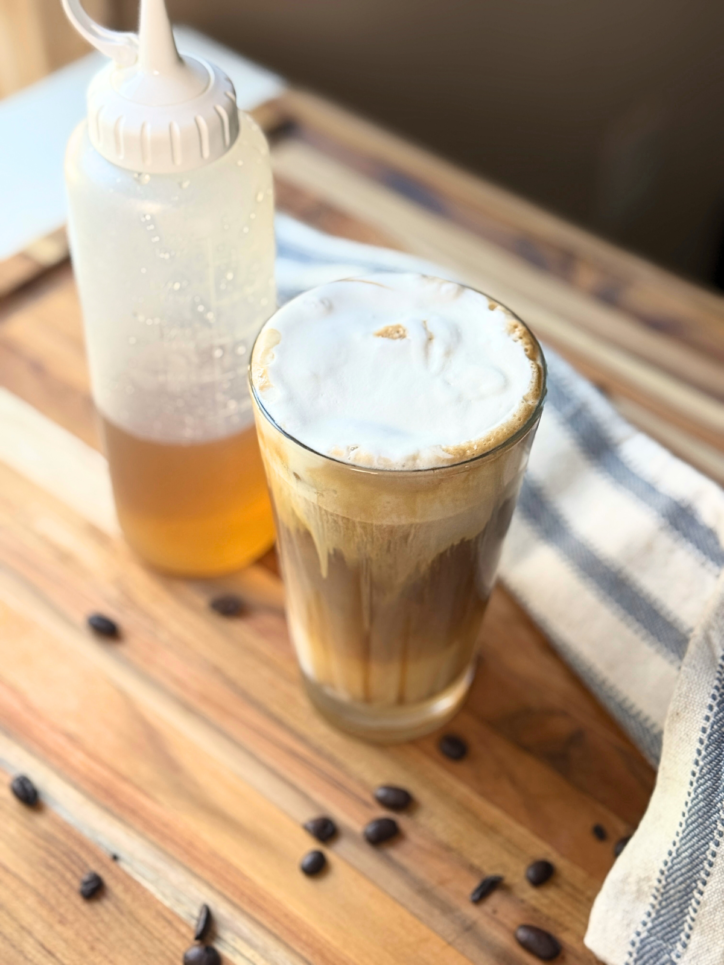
[172,240]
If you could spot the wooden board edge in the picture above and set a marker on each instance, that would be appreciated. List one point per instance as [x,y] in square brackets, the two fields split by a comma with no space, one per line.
[308,108]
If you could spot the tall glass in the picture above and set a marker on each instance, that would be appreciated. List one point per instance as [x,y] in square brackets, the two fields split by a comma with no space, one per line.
[388,574]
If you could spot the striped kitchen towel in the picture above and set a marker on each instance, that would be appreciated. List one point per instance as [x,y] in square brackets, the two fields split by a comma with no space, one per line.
[616,550]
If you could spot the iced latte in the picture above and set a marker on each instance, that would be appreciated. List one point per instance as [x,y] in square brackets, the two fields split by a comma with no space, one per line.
[395,415]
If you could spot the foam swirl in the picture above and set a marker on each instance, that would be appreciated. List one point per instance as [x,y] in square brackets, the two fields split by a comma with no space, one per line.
[397,371]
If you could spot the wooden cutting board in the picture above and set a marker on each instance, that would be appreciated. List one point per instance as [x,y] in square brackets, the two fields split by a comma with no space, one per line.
[187,748]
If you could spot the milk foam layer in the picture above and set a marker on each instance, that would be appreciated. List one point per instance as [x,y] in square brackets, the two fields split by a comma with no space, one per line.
[397,371]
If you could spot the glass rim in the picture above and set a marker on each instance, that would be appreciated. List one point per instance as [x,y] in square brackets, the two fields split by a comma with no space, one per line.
[519,433]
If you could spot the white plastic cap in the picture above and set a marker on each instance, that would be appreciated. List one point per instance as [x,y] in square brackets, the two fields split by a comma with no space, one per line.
[151,110]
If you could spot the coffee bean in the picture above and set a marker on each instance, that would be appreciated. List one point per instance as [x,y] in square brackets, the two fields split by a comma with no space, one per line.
[453,747]
[24,790]
[103,626]
[538,942]
[394,798]
[486,887]
[539,872]
[620,845]
[313,862]
[202,955]
[90,885]
[599,832]
[228,605]
[321,828]
[380,830]
[203,923]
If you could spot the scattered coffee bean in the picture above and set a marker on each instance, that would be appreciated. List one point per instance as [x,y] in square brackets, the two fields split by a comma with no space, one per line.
[103,626]
[453,747]
[24,790]
[620,845]
[115,857]
[599,832]
[394,798]
[380,830]
[486,887]
[228,605]
[538,942]
[539,872]
[321,828]
[313,862]
[90,885]
[203,923]
[202,955]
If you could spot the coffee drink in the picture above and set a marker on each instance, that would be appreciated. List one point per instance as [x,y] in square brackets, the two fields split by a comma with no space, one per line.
[395,414]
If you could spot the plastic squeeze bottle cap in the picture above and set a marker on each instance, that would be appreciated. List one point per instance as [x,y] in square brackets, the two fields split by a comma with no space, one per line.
[151,110]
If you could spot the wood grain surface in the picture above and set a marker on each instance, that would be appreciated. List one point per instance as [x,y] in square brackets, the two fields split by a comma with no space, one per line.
[43,919]
[187,747]
[653,342]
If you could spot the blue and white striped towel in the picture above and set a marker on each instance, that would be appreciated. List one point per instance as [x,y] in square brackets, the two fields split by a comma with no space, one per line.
[616,550]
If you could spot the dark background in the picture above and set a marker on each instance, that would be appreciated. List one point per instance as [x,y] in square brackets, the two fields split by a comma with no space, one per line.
[610,112]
